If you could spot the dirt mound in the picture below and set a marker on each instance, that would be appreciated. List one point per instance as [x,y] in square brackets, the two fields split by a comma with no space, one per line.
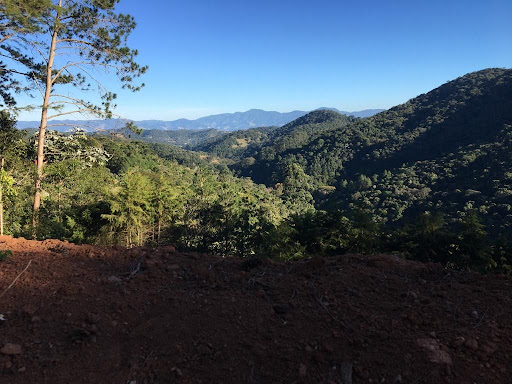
[83,314]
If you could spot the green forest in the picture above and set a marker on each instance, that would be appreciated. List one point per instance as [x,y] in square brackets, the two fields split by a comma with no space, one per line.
[429,180]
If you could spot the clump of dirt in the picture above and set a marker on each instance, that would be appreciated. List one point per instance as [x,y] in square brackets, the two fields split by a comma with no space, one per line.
[84,314]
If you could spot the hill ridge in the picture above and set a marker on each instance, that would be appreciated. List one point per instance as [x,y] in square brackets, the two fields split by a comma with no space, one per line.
[224,121]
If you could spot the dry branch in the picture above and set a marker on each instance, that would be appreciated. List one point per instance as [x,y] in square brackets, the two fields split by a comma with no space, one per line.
[14,281]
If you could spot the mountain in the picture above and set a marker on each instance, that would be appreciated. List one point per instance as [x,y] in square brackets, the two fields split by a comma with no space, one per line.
[185,138]
[248,143]
[224,122]
[448,150]
[361,114]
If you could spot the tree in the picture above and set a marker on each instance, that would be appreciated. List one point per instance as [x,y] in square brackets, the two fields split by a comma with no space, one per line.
[71,39]
[364,232]
[130,205]
[429,238]
[9,135]
[297,187]
[472,241]
[6,188]
[18,18]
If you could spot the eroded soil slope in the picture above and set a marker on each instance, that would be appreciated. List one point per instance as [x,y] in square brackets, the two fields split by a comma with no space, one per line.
[83,314]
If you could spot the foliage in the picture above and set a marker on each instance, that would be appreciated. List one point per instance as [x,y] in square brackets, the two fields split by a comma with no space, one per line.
[5,254]
[61,147]
[449,150]
[87,34]
[334,184]
[6,183]
[184,138]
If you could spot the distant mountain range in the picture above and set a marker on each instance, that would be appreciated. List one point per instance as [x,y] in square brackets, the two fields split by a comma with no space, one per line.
[224,122]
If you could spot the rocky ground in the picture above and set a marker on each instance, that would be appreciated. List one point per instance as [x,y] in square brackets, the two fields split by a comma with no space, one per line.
[83,314]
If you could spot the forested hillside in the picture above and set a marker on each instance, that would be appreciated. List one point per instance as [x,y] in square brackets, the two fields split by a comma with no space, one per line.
[110,191]
[430,179]
[185,138]
[445,150]
[237,145]
[268,142]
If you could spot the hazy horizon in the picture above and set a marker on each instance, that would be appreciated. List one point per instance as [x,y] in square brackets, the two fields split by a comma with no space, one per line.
[218,57]
[36,117]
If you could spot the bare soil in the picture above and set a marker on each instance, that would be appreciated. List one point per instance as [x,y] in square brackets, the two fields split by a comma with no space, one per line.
[84,314]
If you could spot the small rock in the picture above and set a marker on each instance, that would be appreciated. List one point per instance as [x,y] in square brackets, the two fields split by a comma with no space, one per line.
[397,380]
[22,369]
[474,314]
[36,319]
[11,349]
[8,365]
[168,249]
[472,344]
[436,352]
[459,341]
[303,370]
[114,279]
[489,348]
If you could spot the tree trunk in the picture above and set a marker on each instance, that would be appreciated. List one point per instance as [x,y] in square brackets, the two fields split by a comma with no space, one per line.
[42,132]
[2,204]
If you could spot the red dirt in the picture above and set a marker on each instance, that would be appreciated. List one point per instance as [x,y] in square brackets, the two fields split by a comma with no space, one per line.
[191,318]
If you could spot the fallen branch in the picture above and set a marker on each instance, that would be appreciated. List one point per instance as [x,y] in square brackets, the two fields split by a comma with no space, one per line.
[135,269]
[14,281]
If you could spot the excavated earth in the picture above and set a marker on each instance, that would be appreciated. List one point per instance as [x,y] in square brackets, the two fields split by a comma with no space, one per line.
[84,314]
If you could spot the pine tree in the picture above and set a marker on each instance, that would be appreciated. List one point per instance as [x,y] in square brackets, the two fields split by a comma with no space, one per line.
[58,48]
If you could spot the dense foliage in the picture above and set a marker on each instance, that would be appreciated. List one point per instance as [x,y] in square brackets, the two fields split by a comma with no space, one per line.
[110,191]
[429,180]
[448,150]
[185,138]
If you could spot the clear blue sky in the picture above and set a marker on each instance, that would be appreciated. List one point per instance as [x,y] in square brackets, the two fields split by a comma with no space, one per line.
[213,56]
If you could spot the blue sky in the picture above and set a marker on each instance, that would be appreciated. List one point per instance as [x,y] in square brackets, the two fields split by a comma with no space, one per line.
[214,56]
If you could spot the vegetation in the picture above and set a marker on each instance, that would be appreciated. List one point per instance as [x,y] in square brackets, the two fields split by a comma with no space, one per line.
[5,254]
[184,138]
[448,150]
[55,47]
[111,191]
[428,180]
